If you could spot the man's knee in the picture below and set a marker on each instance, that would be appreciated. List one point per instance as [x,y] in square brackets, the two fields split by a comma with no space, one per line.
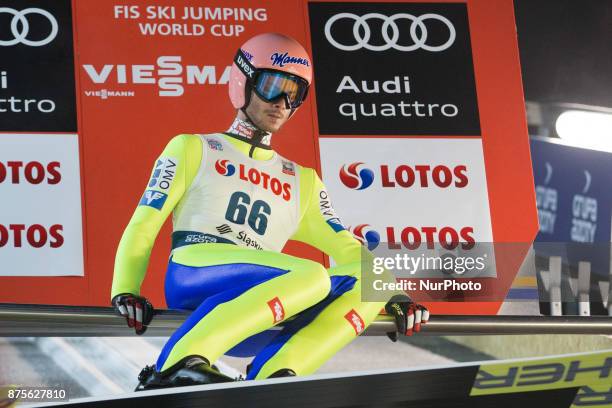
[320,275]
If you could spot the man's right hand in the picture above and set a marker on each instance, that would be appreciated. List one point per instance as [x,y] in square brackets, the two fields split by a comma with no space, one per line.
[137,310]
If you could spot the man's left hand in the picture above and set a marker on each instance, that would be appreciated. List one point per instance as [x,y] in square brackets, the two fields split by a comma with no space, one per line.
[409,315]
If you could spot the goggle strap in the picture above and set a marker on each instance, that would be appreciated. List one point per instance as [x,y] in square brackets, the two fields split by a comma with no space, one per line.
[244,65]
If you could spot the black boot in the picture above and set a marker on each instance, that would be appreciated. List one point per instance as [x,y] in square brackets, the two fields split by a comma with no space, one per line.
[285,372]
[189,371]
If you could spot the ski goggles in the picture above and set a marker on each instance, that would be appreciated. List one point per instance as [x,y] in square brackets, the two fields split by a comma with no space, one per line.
[270,84]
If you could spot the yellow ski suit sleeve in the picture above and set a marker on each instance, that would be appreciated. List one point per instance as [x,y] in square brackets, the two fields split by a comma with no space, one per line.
[314,229]
[139,236]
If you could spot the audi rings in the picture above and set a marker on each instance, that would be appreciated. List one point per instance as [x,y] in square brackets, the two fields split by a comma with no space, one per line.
[19,17]
[389,22]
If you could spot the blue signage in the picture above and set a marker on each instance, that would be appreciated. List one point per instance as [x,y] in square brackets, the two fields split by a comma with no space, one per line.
[574,199]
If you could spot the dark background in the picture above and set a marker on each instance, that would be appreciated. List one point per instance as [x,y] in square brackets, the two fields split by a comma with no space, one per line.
[43,72]
[566,50]
[445,77]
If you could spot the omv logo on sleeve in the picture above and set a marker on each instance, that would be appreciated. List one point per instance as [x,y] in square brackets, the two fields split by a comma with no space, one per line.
[366,235]
[336,224]
[224,167]
[355,177]
[154,199]
[163,173]
[328,212]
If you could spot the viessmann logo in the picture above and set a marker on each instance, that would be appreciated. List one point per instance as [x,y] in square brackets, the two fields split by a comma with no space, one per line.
[393,27]
[168,73]
[358,177]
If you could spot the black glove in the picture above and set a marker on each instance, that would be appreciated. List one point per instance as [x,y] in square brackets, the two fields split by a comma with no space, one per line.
[408,315]
[137,310]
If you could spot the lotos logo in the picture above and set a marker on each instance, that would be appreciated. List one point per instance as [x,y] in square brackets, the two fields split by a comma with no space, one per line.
[282,59]
[356,321]
[278,311]
[406,176]
[255,176]
[412,237]
[224,168]
[366,235]
[36,235]
[357,180]
[265,180]
[424,175]
[32,172]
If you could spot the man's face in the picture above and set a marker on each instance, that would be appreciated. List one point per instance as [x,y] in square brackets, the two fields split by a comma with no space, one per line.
[268,116]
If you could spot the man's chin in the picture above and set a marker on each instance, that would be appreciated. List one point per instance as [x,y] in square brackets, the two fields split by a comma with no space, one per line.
[272,128]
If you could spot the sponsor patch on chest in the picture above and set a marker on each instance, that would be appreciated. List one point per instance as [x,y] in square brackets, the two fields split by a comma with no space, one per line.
[255,176]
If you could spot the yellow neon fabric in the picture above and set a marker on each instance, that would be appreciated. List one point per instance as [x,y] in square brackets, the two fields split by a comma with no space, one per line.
[135,247]
[306,284]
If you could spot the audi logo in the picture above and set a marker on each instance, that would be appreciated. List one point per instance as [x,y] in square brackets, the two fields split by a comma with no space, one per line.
[20,27]
[390,32]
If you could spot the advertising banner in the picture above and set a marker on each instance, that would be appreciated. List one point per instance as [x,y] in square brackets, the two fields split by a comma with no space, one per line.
[573,195]
[40,182]
[37,87]
[399,69]
[574,203]
[409,190]
[414,104]
[414,110]
[40,224]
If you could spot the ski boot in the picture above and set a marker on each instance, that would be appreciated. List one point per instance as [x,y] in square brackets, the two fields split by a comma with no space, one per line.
[189,371]
[285,372]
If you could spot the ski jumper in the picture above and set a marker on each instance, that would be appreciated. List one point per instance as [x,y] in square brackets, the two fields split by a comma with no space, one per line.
[232,215]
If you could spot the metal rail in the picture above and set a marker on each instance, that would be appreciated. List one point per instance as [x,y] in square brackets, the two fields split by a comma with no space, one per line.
[72,321]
